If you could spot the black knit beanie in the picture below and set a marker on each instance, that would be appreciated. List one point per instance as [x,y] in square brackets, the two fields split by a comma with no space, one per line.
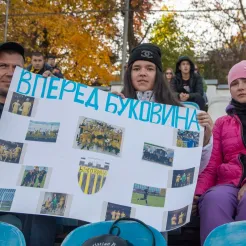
[146,52]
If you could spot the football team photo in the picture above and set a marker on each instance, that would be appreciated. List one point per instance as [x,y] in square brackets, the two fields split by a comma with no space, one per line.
[43,131]
[148,196]
[34,176]
[187,139]
[176,218]
[181,178]
[158,154]
[21,104]
[11,152]
[98,136]
[112,211]
[54,204]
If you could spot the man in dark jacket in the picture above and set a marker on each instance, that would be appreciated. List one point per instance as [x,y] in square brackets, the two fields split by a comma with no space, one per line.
[187,84]
[51,60]
[11,55]
[39,66]
[38,230]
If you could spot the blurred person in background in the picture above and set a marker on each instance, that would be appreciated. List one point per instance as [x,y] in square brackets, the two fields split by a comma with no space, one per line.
[168,75]
[187,85]
[51,61]
[38,65]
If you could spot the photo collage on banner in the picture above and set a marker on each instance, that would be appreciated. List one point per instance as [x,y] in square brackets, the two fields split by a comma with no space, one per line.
[98,136]
[96,144]
[14,153]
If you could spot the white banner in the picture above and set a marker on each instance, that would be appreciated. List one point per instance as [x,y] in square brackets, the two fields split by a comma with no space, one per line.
[70,150]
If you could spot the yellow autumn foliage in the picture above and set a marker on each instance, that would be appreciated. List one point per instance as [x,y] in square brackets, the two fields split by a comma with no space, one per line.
[80,40]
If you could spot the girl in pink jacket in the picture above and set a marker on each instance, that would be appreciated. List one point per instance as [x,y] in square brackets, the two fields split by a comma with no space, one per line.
[222,185]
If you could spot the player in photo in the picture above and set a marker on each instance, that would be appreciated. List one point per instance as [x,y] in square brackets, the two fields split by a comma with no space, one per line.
[116,211]
[113,213]
[34,176]
[15,107]
[26,107]
[54,204]
[98,136]
[43,131]
[187,139]
[145,198]
[178,178]
[10,151]
[21,104]
[148,196]
[176,218]
[181,178]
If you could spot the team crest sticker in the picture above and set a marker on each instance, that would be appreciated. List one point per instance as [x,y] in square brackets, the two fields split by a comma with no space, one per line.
[92,175]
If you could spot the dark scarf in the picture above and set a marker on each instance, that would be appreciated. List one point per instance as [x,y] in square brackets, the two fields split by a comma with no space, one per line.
[240,110]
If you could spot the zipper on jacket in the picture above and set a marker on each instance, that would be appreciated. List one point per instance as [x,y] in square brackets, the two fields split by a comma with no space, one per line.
[241,179]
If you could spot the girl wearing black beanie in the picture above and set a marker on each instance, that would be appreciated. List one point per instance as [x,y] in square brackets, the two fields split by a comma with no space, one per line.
[144,81]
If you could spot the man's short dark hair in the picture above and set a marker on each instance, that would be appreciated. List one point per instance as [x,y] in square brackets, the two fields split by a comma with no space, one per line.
[12,48]
[12,52]
[37,54]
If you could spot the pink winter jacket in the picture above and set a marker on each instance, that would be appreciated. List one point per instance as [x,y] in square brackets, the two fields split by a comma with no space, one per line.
[225,166]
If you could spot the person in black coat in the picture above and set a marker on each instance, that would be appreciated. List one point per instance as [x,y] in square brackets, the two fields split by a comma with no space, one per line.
[39,66]
[188,85]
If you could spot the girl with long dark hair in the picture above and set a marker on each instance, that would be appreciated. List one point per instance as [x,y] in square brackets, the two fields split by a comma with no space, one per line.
[144,81]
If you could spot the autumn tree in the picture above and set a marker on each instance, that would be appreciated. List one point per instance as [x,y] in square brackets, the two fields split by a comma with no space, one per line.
[223,40]
[220,60]
[171,39]
[73,30]
[83,34]
[139,15]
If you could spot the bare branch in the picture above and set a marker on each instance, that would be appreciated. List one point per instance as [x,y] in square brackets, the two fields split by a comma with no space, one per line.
[242,9]
[146,32]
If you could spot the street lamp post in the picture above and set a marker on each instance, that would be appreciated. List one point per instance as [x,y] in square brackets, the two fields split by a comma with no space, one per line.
[6,21]
[125,35]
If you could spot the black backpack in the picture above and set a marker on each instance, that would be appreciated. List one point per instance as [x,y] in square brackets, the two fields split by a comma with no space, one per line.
[115,240]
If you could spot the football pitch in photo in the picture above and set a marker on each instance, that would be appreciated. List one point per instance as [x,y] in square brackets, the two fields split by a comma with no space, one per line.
[152,200]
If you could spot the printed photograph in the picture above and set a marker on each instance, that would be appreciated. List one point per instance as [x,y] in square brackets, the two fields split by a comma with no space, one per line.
[20,104]
[158,154]
[34,176]
[43,131]
[148,196]
[182,178]
[92,174]
[54,203]
[6,199]
[11,151]
[187,139]
[176,218]
[98,136]
[116,211]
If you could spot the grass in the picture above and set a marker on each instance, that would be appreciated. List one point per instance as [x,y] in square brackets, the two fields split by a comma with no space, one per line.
[5,206]
[153,201]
